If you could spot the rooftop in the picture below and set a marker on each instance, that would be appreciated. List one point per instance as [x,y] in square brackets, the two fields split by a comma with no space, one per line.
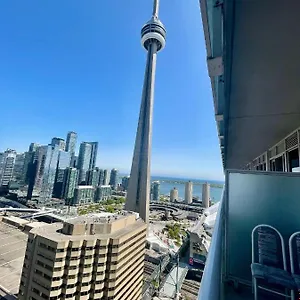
[12,251]
[83,187]
[95,226]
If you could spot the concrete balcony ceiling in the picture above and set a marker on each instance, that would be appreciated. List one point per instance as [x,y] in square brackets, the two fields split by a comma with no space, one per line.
[257,91]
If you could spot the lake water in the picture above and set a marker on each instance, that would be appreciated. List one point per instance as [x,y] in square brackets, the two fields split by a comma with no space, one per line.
[215,193]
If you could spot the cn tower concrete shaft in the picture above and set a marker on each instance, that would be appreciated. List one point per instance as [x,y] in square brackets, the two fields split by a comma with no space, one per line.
[138,196]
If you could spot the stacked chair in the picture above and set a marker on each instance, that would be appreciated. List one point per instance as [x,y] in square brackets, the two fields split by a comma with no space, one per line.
[269,263]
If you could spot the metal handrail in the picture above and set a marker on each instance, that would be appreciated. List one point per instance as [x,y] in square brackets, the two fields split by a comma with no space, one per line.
[210,288]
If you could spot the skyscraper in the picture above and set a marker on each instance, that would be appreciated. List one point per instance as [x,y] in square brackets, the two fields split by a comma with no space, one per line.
[125,182]
[29,169]
[47,171]
[105,177]
[85,258]
[174,195]
[94,152]
[93,177]
[1,163]
[205,194]
[153,40]
[8,164]
[19,167]
[33,147]
[69,184]
[101,177]
[155,190]
[188,192]
[44,166]
[59,142]
[84,159]
[113,182]
[71,142]
[62,164]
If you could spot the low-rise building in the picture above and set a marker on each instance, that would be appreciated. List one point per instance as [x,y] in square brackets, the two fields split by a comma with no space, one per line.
[103,193]
[83,194]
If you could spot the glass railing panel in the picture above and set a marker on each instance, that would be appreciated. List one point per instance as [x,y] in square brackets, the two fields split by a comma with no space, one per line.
[254,198]
[210,287]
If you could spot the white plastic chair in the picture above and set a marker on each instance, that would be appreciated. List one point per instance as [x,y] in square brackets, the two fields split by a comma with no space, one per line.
[271,273]
[295,275]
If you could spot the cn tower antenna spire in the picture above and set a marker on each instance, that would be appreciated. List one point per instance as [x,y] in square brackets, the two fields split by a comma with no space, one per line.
[155,8]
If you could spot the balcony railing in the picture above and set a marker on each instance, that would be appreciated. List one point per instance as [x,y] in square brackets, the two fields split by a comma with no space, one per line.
[211,279]
[250,198]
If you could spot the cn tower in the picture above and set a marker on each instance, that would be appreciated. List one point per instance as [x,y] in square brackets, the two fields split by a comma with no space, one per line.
[153,37]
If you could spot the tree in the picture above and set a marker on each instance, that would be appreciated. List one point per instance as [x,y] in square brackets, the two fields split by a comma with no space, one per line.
[110,209]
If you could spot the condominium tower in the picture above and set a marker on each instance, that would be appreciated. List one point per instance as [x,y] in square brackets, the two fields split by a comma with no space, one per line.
[113,182]
[155,190]
[83,163]
[71,142]
[59,142]
[85,258]
[8,163]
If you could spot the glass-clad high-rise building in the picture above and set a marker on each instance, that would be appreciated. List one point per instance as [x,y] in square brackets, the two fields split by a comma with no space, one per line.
[114,179]
[155,190]
[83,164]
[8,164]
[94,152]
[49,160]
[19,167]
[62,164]
[71,142]
[93,177]
[69,184]
[125,182]
[59,142]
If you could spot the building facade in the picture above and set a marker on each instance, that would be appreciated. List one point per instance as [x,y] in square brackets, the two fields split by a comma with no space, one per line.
[101,177]
[93,177]
[114,177]
[125,182]
[85,258]
[64,159]
[71,142]
[83,194]
[8,163]
[103,193]
[94,153]
[188,192]
[18,172]
[106,177]
[84,159]
[174,195]
[155,190]
[61,143]
[48,159]
[33,147]
[69,184]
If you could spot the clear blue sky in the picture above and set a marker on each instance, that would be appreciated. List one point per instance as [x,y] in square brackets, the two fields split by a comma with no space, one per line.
[78,65]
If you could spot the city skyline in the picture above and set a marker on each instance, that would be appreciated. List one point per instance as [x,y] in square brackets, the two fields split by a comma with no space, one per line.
[184,133]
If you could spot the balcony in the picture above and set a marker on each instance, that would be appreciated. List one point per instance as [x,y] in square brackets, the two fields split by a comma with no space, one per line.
[249,199]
